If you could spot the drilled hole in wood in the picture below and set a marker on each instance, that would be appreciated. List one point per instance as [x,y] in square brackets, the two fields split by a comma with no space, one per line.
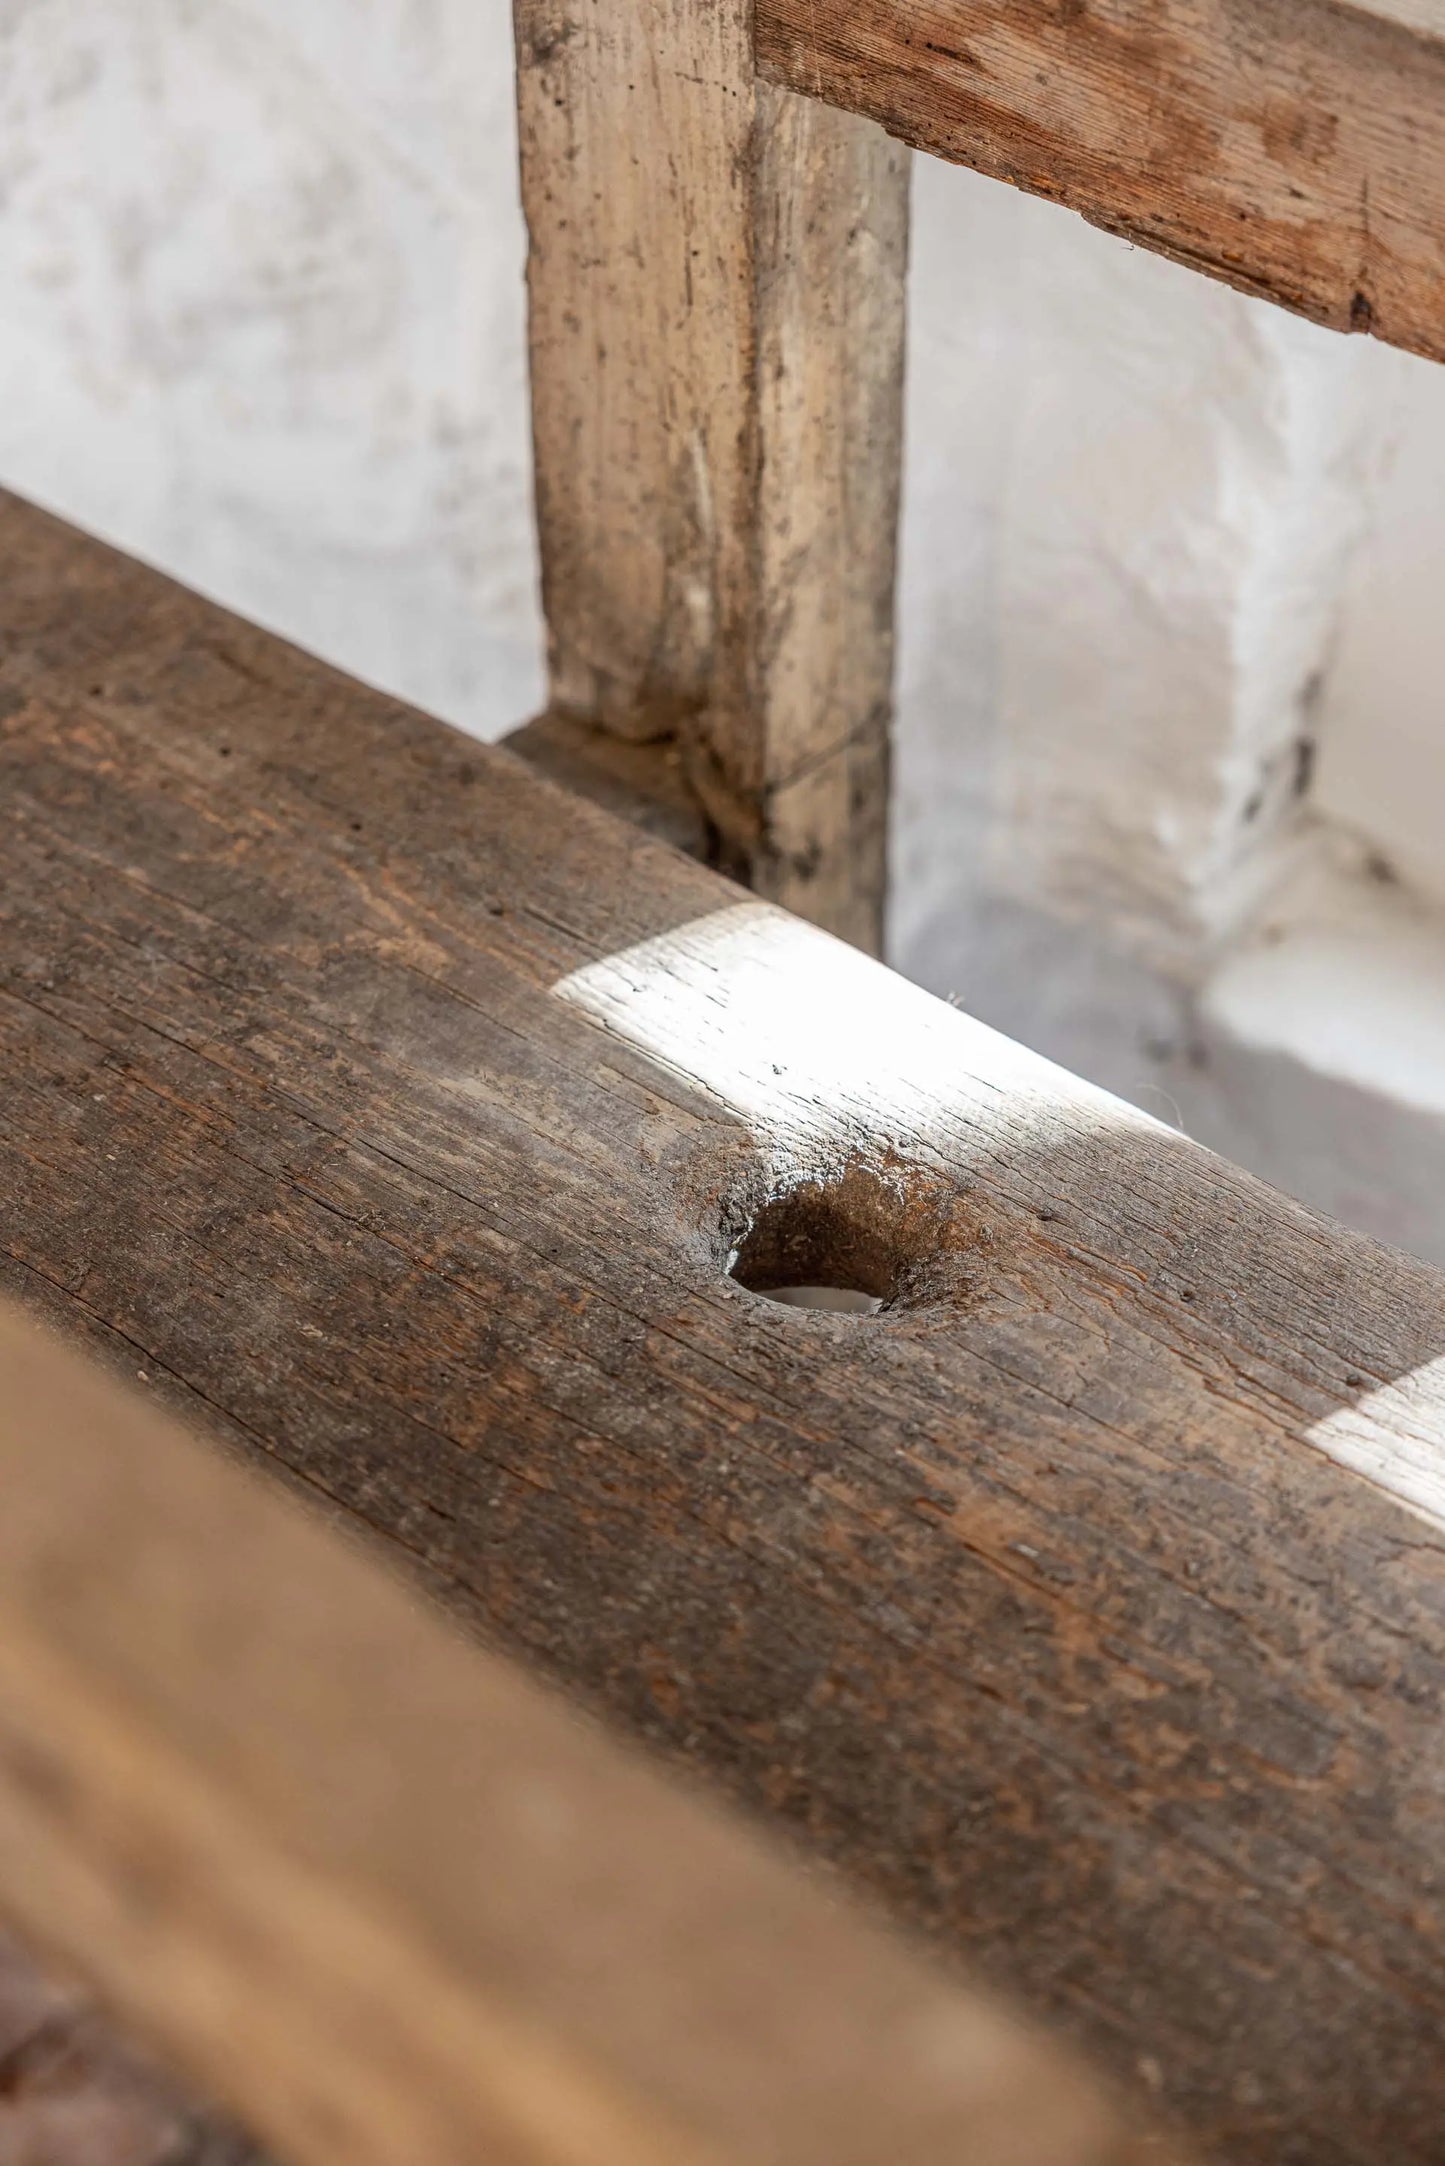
[831,1245]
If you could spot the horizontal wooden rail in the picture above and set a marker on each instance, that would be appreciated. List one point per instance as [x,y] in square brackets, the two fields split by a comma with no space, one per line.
[1295,148]
[412,1125]
[395,1900]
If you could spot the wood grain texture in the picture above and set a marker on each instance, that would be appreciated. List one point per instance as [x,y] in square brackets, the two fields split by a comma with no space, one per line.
[397,1115]
[1295,148]
[395,1899]
[641,782]
[716,310]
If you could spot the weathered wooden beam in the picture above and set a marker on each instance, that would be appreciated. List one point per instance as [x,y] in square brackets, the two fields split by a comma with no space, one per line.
[398,1902]
[1295,148]
[641,782]
[716,293]
[399,1117]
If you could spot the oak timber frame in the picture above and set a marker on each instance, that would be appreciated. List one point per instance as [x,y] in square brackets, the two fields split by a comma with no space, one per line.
[396,1116]
[717,292]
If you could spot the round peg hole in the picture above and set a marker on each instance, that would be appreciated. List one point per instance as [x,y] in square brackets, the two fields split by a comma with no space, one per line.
[840,1246]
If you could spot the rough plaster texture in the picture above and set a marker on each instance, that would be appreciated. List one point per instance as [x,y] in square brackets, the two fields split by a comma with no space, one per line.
[261,317]
[1382,764]
[1164,549]
[1170,558]
[1165,487]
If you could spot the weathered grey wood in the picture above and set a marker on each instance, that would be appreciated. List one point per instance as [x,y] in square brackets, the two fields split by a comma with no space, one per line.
[1295,148]
[395,1900]
[716,292]
[397,1116]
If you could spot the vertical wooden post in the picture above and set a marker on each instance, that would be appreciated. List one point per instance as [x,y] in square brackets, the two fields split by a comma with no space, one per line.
[717,287]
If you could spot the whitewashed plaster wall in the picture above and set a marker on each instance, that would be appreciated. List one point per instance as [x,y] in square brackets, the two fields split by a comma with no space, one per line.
[1157,485]
[261,317]
[1383,741]
[1170,637]
[1172,698]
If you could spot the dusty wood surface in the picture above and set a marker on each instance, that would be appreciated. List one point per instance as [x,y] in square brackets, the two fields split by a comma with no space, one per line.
[1295,148]
[398,1902]
[716,290]
[396,1116]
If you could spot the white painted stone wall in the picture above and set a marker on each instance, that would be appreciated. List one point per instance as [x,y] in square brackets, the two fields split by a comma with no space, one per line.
[261,317]
[1172,745]
[1132,498]
[1170,771]
[1382,765]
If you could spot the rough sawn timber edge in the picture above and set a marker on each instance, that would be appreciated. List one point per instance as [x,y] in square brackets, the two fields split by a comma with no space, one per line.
[1295,148]
[394,1114]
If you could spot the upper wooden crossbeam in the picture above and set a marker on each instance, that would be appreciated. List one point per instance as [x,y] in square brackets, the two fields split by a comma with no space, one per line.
[1295,148]
[396,1116]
